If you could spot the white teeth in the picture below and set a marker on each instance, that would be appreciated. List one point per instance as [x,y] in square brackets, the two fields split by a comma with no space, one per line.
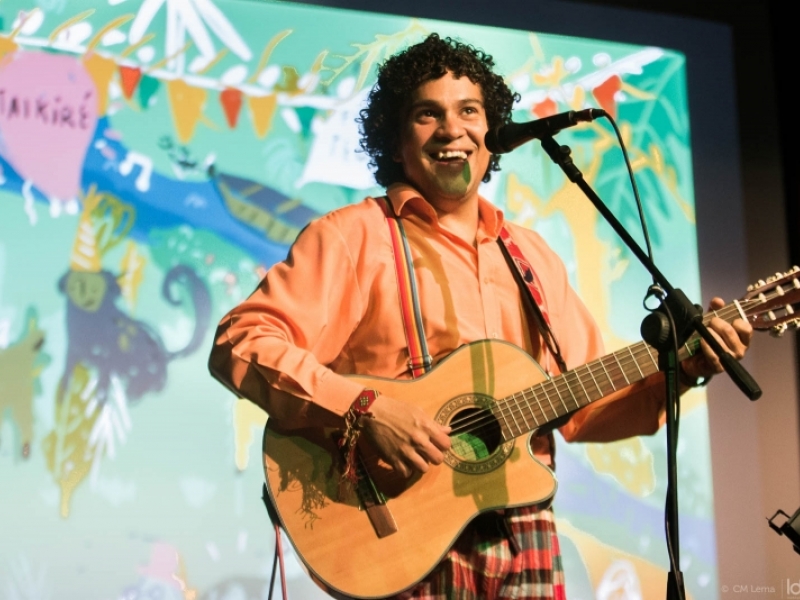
[451,154]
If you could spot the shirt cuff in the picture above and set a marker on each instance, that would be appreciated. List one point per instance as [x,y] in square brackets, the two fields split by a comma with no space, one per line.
[337,392]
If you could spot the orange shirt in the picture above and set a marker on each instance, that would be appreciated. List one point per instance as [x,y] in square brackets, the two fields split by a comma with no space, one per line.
[332,308]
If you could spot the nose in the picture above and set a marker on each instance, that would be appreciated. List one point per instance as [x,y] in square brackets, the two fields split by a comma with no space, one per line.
[450,126]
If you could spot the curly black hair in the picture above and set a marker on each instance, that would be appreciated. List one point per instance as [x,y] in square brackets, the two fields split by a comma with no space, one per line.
[399,76]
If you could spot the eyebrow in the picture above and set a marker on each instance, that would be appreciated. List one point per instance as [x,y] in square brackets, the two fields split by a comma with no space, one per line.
[430,102]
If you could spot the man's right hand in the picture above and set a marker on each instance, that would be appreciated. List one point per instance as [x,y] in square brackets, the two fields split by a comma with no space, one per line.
[404,436]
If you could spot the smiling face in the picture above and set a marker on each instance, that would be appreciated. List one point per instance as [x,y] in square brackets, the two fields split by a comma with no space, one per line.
[442,141]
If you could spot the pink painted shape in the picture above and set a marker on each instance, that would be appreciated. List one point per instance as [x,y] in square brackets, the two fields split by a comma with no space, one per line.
[48,114]
[164,563]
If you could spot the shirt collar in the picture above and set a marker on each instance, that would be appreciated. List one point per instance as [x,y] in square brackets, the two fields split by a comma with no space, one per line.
[403,196]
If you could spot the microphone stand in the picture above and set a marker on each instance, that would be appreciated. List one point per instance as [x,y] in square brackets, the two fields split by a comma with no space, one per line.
[687,318]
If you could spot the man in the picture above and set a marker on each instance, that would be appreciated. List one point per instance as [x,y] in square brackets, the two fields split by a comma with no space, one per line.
[332,308]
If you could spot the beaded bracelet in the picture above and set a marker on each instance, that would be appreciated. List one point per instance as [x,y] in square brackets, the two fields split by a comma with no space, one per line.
[352,429]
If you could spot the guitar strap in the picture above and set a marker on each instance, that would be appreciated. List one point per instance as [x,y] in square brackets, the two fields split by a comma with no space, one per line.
[420,360]
[526,278]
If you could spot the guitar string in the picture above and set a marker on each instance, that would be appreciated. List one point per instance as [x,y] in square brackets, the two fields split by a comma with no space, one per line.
[549,392]
[569,380]
[577,388]
[510,408]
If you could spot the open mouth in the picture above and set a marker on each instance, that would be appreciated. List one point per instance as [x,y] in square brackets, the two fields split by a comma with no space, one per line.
[450,156]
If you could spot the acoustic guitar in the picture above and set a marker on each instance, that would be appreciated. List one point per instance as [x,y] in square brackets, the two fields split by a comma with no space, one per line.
[386,533]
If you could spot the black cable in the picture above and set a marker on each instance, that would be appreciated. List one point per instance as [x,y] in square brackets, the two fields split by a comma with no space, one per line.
[635,188]
[675,420]
[656,290]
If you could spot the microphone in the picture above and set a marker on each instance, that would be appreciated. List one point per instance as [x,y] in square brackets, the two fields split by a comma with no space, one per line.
[507,137]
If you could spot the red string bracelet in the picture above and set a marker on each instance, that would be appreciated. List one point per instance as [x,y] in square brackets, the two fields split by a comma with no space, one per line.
[352,429]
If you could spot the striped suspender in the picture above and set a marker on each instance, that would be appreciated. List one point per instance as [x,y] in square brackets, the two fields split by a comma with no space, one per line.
[420,360]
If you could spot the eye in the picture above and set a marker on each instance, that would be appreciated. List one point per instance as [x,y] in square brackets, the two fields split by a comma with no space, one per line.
[471,111]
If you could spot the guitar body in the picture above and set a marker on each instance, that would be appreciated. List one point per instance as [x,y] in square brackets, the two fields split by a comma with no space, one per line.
[356,555]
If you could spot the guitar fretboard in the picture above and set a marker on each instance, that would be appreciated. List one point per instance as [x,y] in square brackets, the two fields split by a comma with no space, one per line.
[536,406]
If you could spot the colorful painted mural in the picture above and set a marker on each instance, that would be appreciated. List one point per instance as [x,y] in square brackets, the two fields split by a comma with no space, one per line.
[156,157]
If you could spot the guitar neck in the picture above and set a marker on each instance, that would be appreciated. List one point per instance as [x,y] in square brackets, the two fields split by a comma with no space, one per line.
[536,406]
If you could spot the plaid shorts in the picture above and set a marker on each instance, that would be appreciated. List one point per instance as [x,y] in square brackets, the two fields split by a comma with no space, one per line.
[513,554]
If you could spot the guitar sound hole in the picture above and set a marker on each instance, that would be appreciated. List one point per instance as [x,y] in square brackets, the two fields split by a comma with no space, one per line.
[476,434]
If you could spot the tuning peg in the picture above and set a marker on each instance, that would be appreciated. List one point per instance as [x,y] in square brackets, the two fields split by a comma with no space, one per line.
[778,330]
[787,278]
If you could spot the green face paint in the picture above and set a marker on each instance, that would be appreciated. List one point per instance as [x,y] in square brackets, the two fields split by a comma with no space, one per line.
[452,182]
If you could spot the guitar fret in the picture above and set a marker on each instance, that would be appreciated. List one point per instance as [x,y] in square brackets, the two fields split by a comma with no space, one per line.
[610,381]
[621,369]
[502,414]
[521,410]
[571,393]
[570,387]
[585,393]
[535,399]
[511,410]
[555,385]
[599,391]
[550,402]
[650,354]
[635,362]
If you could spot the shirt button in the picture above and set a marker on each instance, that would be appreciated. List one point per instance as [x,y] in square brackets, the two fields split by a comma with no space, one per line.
[494,335]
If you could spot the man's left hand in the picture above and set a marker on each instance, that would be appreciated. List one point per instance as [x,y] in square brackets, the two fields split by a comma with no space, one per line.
[733,337]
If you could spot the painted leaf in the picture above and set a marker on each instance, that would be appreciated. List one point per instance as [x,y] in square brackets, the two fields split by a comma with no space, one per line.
[67,450]
[132,273]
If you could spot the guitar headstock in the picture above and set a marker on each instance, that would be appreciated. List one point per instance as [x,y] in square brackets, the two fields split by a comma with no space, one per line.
[774,304]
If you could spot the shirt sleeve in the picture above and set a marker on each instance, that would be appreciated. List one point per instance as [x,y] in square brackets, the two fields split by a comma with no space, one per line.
[273,348]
